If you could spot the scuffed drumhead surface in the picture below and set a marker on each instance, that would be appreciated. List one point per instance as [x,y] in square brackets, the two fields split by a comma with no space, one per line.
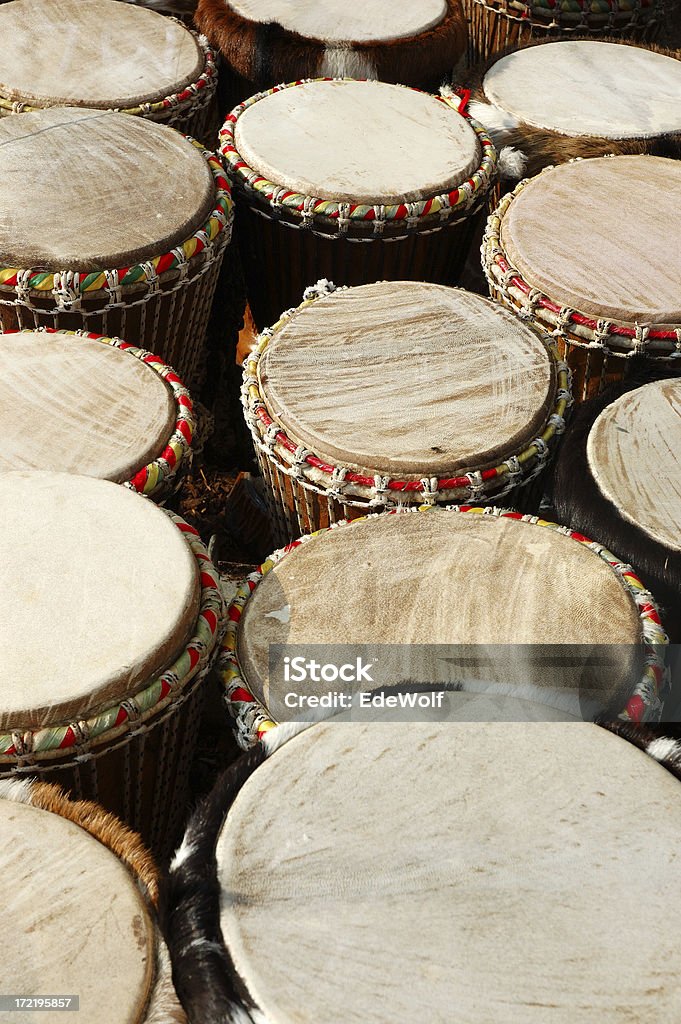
[98,593]
[599,236]
[587,87]
[88,190]
[408,378]
[79,926]
[390,143]
[97,53]
[340,21]
[79,406]
[501,869]
[440,578]
[634,453]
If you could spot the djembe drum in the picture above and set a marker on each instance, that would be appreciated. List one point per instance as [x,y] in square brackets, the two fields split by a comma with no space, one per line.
[558,100]
[138,253]
[111,56]
[619,478]
[95,406]
[381,210]
[265,42]
[420,393]
[389,873]
[112,614]
[559,590]
[498,25]
[584,254]
[82,892]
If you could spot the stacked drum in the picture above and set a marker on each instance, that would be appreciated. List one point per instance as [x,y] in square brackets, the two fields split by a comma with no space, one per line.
[451,681]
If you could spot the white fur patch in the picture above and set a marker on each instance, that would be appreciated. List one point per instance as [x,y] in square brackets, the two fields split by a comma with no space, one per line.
[18,790]
[281,734]
[664,749]
[184,850]
[512,163]
[498,122]
[343,62]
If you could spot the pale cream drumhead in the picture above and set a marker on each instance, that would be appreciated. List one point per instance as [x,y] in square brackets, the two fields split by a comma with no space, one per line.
[587,87]
[598,236]
[634,454]
[442,577]
[87,190]
[391,873]
[340,21]
[75,405]
[95,54]
[79,926]
[99,593]
[405,378]
[390,143]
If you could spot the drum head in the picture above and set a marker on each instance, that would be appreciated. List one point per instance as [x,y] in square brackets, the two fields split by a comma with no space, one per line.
[95,54]
[99,593]
[634,454]
[390,873]
[594,236]
[76,405]
[345,379]
[390,144]
[442,577]
[79,924]
[87,190]
[337,21]
[589,87]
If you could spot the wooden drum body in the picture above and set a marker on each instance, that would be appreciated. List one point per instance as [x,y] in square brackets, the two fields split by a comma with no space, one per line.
[81,403]
[82,891]
[586,252]
[112,56]
[559,100]
[265,42]
[499,25]
[434,577]
[112,615]
[320,865]
[619,477]
[396,394]
[114,225]
[359,210]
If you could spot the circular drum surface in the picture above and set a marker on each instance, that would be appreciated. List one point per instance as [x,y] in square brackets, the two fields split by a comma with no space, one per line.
[87,190]
[587,87]
[408,378]
[74,405]
[94,54]
[597,236]
[391,144]
[633,452]
[79,925]
[338,21]
[464,866]
[98,593]
[443,578]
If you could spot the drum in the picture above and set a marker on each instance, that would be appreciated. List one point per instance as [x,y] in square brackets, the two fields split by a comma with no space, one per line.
[82,892]
[619,477]
[562,99]
[376,214]
[612,292]
[498,25]
[433,577]
[265,42]
[90,241]
[315,875]
[398,393]
[112,56]
[81,403]
[112,614]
